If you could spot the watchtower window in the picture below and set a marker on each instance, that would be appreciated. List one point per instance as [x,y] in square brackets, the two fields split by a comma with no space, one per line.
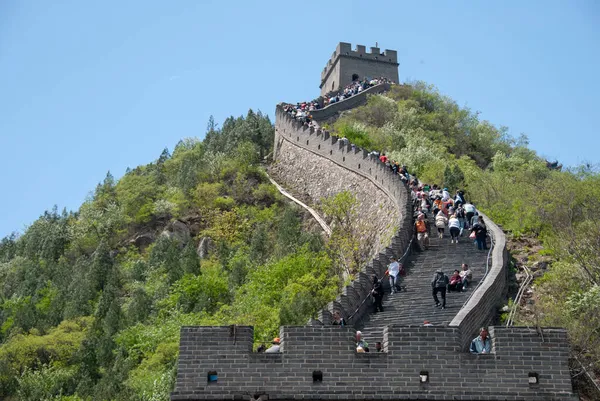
[354,77]
[333,85]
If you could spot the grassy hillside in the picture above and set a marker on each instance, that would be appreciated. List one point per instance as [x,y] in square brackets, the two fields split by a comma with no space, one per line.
[91,302]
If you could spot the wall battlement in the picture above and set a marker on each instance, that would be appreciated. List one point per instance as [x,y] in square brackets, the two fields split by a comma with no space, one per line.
[518,353]
[346,65]
[345,50]
[319,361]
[294,137]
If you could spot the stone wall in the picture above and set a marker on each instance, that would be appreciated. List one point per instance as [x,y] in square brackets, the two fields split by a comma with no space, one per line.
[311,162]
[486,299]
[329,112]
[321,363]
[346,62]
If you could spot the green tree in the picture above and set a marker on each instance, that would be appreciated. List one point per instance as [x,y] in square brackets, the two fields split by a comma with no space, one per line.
[345,242]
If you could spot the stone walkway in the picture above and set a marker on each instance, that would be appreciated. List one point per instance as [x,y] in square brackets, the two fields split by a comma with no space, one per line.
[413,306]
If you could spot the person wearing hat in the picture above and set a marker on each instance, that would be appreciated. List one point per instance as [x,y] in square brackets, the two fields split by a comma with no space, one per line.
[445,195]
[275,347]
[422,231]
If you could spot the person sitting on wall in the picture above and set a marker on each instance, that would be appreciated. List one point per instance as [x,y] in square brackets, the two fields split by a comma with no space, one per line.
[361,344]
[275,347]
[338,320]
[378,346]
[455,283]
[482,343]
[466,275]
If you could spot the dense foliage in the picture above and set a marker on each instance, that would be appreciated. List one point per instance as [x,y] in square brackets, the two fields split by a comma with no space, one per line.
[449,145]
[91,302]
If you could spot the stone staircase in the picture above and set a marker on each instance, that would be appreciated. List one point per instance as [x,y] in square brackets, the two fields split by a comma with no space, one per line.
[412,306]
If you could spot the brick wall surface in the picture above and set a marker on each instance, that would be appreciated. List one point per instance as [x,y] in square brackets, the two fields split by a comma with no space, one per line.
[391,374]
[350,163]
[482,306]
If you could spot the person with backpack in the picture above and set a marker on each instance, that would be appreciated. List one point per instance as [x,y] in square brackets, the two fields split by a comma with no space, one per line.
[377,293]
[480,231]
[461,216]
[438,284]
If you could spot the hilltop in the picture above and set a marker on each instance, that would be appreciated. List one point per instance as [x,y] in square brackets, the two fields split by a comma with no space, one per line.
[92,301]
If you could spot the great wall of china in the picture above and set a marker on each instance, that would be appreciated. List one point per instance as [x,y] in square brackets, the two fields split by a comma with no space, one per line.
[319,361]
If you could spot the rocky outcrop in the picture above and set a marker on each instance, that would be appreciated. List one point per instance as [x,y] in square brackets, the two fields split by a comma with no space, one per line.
[143,240]
[178,231]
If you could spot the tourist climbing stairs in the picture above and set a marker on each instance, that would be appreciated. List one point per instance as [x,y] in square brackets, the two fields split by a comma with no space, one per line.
[414,304]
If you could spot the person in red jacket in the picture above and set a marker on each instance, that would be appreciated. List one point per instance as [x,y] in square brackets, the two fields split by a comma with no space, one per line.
[455,283]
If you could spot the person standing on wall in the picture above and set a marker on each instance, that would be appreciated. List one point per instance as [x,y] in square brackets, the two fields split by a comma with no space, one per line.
[480,231]
[377,293]
[393,271]
[422,232]
[438,284]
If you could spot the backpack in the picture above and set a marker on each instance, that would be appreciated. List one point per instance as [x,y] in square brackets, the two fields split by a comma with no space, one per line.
[441,281]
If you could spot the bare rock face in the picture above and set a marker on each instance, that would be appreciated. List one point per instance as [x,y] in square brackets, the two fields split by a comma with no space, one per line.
[205,247]
[143,240]
[178,231]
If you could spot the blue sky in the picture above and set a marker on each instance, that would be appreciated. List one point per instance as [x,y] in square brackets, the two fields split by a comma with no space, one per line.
[92,86]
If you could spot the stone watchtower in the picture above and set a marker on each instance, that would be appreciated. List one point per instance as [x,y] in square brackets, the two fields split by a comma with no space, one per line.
[347,65]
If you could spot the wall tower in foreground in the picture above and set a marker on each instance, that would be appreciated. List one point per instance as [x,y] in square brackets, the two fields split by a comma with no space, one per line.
[347,65]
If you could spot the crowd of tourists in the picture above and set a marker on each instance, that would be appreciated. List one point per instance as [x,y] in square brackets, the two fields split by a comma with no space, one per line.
[354,88]
[454,213]
[302,111]
[431,202]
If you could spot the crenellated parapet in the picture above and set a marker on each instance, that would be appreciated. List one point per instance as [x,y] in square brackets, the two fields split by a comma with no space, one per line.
[351,160]
[347,64]
[489,296]
[319,361]
[417,363]
[374,54]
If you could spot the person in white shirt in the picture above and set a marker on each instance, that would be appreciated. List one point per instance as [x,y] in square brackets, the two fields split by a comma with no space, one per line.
[454,225]
[470,212]
[466,275]
[393,272]
[275,347]
[440,222]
